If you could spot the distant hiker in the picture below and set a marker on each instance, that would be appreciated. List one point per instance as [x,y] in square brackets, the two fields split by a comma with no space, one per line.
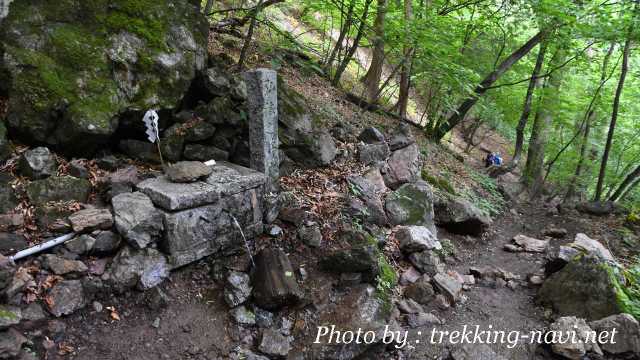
[497,160]
[488,161]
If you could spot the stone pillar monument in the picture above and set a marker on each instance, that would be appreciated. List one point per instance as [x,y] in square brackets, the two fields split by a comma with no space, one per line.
[4,8]
[262,93]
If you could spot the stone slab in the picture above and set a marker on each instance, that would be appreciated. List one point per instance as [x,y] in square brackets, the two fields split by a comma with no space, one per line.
[225,179]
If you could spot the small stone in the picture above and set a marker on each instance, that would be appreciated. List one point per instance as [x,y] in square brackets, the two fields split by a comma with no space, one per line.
[243,316]
[7,271]
[427,262]
[264,318]
[108,163]
[34,313]
[156,323]
[238,289]
[303,274]
[11,342]
[274,230]
[535,280]
[409,276]
[408,306]
[61,266]
[555,232]
[88,220]
[38,163]
[9,316]
[78,169]
[66,297]
[80,245]
[97,306]
[417,238]
[310,235]
[11,221]
[188,171]
[371,135]
[422,319]
[529,244]
[10,242]
[274,343]
[420,291]
[106,242]
[574,350]
[21,280]
[156,299]
[449,286]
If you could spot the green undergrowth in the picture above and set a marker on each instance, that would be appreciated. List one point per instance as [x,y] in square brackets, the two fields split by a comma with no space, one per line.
[439,182]
[488,199]
[387,278]
[628,294]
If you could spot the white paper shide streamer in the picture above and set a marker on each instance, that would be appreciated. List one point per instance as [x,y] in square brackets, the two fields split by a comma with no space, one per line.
[150,120]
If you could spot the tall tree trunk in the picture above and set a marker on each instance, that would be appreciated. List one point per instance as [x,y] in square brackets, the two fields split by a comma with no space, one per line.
[468,103]
[354,46]
[533,174]
[614,118]
[629,189]
[405,74]
[247,42]
[374,74]
[524,117]
[577,183]
[344,30]
[208,7]
[631,179]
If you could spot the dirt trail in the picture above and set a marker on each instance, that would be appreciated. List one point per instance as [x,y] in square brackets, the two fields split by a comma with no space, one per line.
[501,307]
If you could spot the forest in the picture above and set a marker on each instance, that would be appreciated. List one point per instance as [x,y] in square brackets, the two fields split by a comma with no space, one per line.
[556,78]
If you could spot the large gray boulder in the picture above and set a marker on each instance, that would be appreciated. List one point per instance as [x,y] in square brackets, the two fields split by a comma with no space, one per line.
[627,339]
[141,269]
[403,166]
[70,70]
[412,204]
[301,137]
[365,203]
[38,163]
[586,287]
[137,220]
[460,216]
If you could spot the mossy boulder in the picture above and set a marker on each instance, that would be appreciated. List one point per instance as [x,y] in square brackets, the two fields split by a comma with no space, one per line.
[63,188]
[72,67]
[411,204]
[460,216]
[587,287]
